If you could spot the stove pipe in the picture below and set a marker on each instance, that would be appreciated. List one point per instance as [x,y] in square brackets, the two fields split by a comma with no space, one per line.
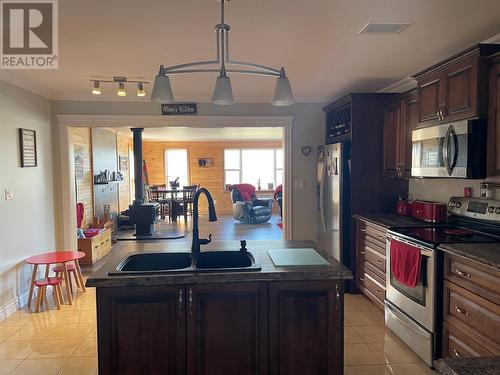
[138,166]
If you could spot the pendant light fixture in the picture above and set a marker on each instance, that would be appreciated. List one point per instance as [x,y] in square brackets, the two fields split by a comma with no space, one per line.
[222,94]
[122,81]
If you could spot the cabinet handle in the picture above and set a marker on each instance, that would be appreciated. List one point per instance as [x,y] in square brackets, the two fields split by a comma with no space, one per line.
[362,278]
[337,292]
[190,299]
[461,311]
[362,252]
[180,301]
[362,230]
[462,273]
[455,353]
[379,261]
[379,291]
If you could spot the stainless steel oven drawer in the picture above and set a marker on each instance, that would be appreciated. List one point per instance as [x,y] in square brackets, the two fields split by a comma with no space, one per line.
[415,336]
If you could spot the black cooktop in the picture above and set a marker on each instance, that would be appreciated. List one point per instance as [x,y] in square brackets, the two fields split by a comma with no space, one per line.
[437,235]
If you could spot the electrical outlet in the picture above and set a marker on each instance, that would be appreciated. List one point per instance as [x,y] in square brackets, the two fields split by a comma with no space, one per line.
[8,195]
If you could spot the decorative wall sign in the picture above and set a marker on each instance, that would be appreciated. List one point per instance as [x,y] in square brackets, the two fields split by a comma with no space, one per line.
[205,162]
[79,162]
[123,163]
[179,109]
[27,145]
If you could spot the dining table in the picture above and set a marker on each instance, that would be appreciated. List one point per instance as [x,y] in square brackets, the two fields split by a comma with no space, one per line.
[173,201]
[56,257]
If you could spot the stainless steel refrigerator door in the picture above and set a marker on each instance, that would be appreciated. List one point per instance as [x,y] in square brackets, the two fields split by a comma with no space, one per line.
[328,236]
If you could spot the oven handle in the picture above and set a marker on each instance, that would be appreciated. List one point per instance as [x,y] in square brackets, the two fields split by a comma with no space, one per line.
[450,164]
[424,251]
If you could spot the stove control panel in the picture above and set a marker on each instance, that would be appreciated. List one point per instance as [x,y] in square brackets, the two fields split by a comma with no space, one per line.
[476,208]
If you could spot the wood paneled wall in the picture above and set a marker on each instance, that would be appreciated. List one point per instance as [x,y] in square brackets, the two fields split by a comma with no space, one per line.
[123,145]
[211,178]
[84,183]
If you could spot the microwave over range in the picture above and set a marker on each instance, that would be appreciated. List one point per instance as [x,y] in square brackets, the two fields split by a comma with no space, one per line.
[455,150]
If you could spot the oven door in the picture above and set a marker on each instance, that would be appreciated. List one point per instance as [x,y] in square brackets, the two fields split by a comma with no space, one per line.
[440,151]
[417,303]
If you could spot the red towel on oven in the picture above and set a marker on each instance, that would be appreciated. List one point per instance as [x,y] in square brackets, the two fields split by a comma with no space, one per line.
[405,263]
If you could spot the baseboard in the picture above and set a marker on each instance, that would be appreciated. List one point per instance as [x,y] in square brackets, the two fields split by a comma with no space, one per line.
[14,305]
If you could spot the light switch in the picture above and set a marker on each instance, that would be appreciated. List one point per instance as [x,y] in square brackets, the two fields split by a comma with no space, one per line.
[8,195]
[298,184]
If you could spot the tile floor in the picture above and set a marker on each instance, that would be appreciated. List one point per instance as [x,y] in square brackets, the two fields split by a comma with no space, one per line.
[64,342]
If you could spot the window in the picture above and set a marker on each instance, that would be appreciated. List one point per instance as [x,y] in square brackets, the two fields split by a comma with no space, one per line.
[252,166]
[176,166]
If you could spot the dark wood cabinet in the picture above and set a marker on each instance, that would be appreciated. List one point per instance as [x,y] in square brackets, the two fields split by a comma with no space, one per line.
[456,88]
[306,334]
[400,119]
[227,329]
[494,118]
[126,318]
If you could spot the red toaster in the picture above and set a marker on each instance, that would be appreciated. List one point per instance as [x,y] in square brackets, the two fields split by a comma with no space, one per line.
[432,212]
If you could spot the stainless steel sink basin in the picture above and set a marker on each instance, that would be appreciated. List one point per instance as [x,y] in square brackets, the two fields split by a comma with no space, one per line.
[155,262]
[227,260]
[210,261]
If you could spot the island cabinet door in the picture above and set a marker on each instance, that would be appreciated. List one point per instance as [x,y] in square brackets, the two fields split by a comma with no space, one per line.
[141,330]
[306,328]
[227,331]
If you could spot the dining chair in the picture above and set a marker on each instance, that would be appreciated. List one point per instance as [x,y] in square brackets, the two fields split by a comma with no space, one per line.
[188,199]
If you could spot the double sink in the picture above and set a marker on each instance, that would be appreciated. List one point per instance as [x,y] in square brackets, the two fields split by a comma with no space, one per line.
[163,262]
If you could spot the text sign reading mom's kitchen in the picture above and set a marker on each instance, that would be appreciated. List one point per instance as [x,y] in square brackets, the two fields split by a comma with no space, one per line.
[29,34]
[179,109]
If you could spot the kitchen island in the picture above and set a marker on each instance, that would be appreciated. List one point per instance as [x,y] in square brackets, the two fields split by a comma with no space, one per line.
[276,320]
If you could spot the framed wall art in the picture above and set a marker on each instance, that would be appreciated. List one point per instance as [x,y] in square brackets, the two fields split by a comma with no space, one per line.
[27,145]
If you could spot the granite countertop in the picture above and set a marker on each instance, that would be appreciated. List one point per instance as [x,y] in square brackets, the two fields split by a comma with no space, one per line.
[484,253]
[392,220]
[268,272]
[468,366]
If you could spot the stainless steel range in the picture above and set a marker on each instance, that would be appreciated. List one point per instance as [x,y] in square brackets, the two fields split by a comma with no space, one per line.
[414,314]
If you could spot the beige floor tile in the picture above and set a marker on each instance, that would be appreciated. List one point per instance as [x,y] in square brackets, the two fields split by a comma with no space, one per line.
[366,318]
[15,320]
[7,331]
[40,366]
[351,336]
[54,348]
[31,332]
[7,366]
[88,348]
[360,354]
[394,352]
[70,331]
[93,332]
[365,370]
[374,334]
[410,369]
[80,366]
[357,303]
[15,349]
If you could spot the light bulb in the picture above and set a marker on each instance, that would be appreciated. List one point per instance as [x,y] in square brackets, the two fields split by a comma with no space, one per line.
[121,89]
[140,89]
[96,89]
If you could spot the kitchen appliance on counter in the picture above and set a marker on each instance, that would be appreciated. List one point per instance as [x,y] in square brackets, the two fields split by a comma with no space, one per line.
[403,207]
[414,314]
[455,150]
[432,212]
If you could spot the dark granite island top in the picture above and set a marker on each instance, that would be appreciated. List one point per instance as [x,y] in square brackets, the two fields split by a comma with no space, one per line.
[469,366]
[268,272]
[392,220]
[487,254]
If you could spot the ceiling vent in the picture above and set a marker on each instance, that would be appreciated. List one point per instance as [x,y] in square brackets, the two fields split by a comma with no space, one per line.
[384,28]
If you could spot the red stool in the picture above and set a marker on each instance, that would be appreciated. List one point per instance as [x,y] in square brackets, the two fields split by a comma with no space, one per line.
[59,271]
[42,284]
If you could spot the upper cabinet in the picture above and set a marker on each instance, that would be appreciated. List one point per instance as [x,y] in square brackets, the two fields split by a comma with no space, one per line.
[494,118]
[400,119]
[456,88]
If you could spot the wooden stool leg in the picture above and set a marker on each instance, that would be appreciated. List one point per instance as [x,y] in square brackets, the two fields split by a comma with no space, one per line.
[38,300]
[32,285]
[78,271]
[70,282]
[66,282]
[56,298]
[45,301]
[59,294]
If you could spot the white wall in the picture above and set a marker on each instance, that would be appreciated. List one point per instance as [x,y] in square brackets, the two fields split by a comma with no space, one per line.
[306,130]
[27,221]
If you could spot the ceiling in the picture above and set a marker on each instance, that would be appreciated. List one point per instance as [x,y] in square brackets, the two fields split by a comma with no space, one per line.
[317,41]
[209,134]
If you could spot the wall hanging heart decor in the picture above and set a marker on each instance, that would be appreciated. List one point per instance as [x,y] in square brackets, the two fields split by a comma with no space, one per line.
[306,150]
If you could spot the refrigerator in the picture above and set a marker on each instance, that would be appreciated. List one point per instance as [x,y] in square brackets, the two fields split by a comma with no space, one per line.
[333,193]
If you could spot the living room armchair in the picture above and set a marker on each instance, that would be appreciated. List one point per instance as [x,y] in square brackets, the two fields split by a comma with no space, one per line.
[247,208]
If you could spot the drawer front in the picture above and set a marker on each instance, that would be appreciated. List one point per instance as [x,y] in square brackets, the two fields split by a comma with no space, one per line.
[372,285]
[375,258]
[458,345]
[372,233]
[474,277]
[472,310]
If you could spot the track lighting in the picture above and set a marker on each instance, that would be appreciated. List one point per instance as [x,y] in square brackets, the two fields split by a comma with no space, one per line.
[223,93]
[121,81]
[96,89]
[162,91]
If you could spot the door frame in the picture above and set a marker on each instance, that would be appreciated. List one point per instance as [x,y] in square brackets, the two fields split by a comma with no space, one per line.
[67,201]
